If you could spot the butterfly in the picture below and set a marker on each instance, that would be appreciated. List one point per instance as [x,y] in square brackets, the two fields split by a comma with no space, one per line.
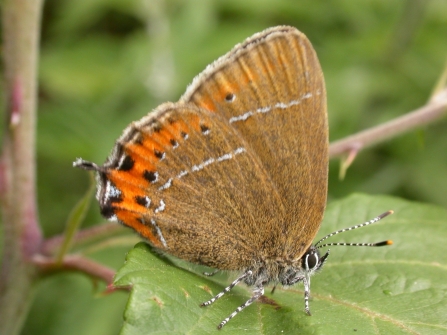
[234,175]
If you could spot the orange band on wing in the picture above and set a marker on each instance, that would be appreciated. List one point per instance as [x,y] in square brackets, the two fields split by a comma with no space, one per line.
[133,221]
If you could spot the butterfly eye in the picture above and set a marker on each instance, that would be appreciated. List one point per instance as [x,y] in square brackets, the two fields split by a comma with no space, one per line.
[311,259]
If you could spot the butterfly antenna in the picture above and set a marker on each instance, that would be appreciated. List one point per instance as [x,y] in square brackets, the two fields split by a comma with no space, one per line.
[377,244]
[86,165]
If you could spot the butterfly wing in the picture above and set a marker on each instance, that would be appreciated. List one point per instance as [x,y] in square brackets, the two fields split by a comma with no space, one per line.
[236,171]
[271,90]
[184,179]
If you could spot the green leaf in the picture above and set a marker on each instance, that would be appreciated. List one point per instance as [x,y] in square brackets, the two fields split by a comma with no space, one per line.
[398,289]
[75,219]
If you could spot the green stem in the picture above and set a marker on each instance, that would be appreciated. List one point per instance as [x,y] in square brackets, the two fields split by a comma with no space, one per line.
[22,235]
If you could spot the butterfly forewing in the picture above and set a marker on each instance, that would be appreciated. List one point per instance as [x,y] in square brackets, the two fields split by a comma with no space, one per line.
[196,188]
[271,90]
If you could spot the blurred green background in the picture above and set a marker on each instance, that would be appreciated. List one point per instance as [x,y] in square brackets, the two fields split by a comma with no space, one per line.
[105,63]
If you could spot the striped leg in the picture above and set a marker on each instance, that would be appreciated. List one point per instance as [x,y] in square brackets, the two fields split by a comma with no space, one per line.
[306,282]
[257,292]
[227,289]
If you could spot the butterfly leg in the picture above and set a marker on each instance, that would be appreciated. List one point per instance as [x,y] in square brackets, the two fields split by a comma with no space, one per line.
[323,260]
[257,293]
[227,289]
[306,282]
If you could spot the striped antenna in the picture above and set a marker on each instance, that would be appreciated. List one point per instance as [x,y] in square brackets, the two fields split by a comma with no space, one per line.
[377,244]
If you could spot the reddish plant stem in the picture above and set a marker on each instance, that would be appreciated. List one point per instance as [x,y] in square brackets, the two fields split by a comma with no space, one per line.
[435,109]
[75,263]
